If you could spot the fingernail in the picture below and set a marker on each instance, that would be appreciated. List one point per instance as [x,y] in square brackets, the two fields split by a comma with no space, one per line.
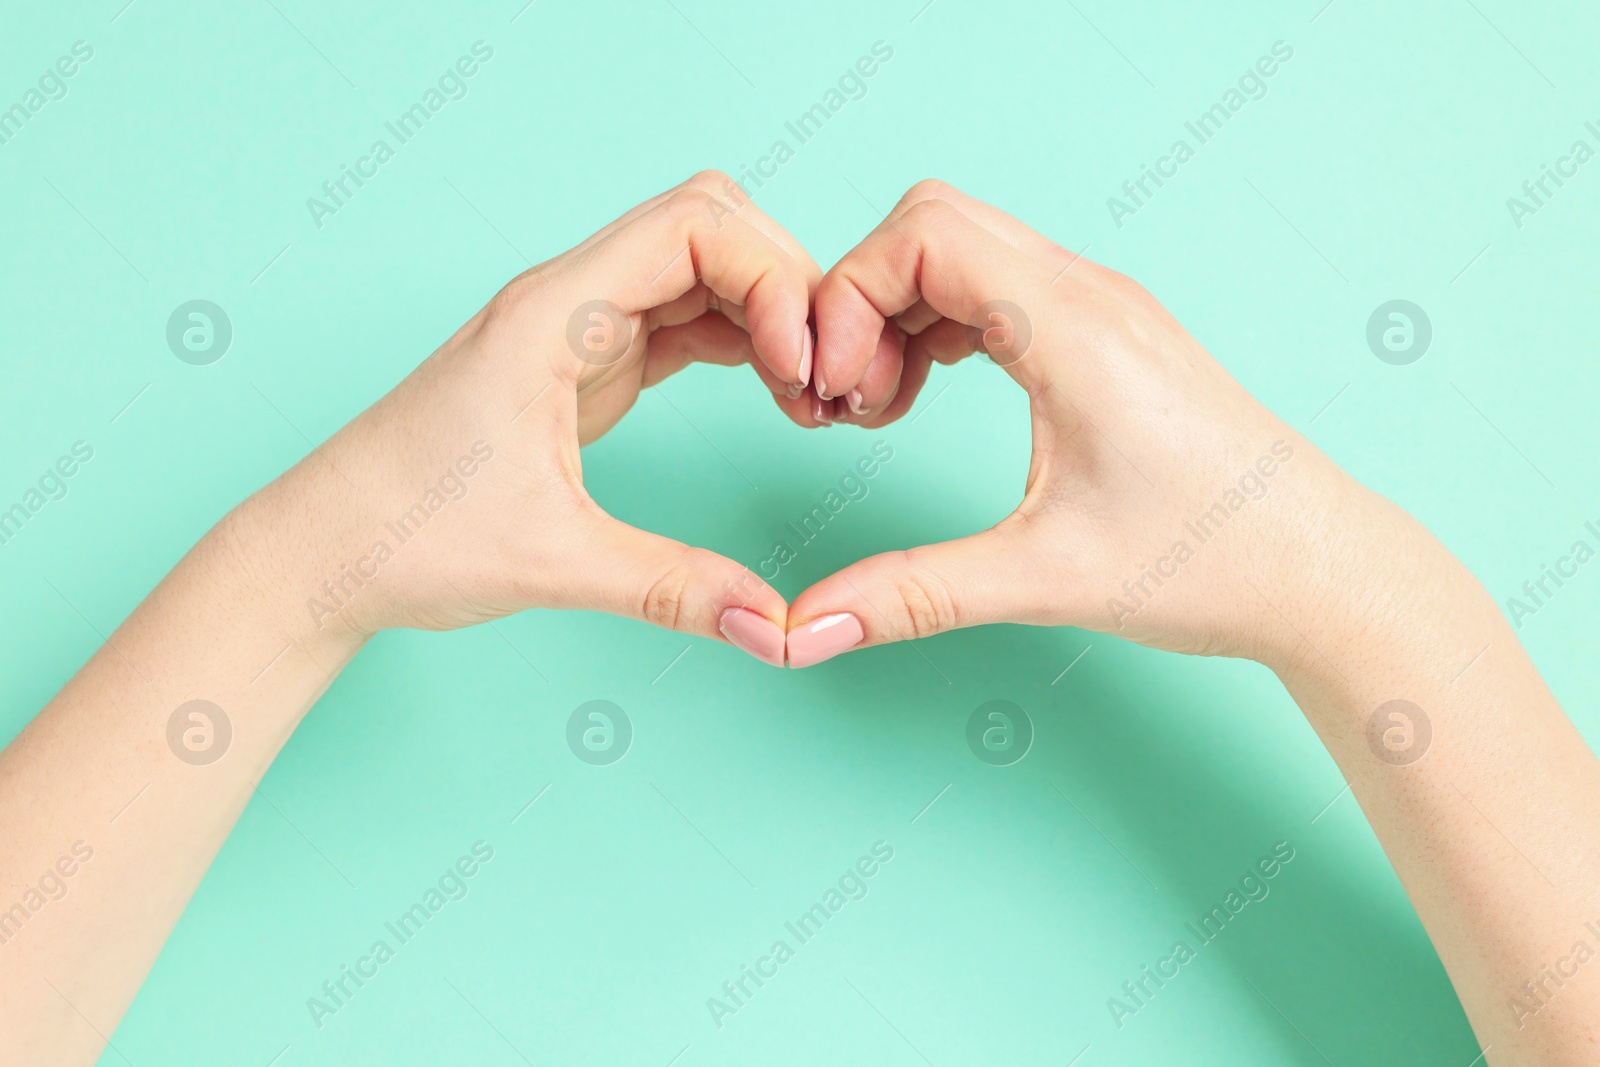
[754,634]
[805,355]
[822,411]
[822,389]
[824,639]
[793,391]
[854,398]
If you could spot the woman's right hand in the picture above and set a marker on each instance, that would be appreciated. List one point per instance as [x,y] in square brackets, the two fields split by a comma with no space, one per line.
[1166,505]
[1163,502]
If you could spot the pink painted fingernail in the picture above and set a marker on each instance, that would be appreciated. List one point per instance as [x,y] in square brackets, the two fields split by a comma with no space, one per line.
[822,411]
[822,389]
[824,639]
[793,392]
[805,355]
[754,634]
[854,398]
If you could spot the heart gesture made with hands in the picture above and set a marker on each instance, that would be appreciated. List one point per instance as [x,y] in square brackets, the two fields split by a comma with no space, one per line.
[1162,503]
[1144,449]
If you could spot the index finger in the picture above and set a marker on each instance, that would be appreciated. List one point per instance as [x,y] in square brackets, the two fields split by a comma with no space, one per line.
[932,252]
[694,236]
[733,200]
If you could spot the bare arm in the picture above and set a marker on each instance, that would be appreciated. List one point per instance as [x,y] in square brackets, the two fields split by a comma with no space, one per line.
[99,808]
[1484,796]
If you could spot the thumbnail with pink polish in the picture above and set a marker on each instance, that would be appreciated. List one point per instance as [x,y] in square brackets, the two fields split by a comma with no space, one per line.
[805,356]
[754,634]
[824,639]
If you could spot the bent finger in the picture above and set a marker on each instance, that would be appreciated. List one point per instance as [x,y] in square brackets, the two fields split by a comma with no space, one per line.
[936,254]
[641,575]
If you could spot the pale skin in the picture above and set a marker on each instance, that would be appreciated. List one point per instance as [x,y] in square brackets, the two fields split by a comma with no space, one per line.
[1138,432]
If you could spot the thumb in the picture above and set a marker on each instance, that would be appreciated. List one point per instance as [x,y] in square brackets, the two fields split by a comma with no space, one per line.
[988,577]
[628,571]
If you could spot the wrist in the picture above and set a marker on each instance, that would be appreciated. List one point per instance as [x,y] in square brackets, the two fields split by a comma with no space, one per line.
[1372,592]
[280,549]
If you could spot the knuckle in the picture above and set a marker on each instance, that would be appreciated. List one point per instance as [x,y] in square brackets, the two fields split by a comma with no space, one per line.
[688,202]
[709,180]
[925,597]
[1123,285]
[932,210]
[666,599]
[513,298]
[667,602]
[931,214]
[928,189]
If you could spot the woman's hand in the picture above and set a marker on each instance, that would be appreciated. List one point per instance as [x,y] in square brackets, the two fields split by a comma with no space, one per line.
[455,498]
[1163,502]
[1166,505]
[459,496]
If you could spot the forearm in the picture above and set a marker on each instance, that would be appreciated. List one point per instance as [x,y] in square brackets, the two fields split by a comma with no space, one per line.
[1490,812]
[96,771]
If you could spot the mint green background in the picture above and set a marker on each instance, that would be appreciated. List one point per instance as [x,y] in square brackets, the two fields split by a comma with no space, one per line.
[1009,914]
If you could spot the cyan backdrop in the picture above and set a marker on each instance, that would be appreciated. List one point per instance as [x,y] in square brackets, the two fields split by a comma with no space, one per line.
[1374,164]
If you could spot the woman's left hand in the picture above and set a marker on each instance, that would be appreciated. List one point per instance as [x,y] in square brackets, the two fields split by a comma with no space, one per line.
[459,496]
